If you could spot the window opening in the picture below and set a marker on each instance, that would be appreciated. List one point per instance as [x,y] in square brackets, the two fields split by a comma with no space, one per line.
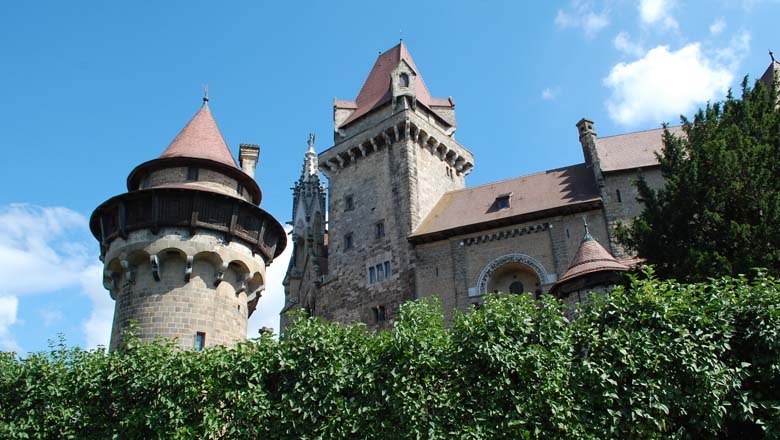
[619,198]
[348,241]
[379,229]
[502,201]
[192,174]
[516,287]
[200,341]
[404,80]
[349,203]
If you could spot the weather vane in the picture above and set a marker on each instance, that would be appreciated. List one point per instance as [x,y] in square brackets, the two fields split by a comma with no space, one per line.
[205,93]
[311,141]
[772,55]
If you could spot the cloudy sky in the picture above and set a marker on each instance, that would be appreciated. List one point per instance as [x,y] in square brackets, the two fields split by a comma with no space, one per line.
[92,89]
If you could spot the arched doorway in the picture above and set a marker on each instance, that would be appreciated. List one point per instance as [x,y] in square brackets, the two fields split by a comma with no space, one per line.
[513,273]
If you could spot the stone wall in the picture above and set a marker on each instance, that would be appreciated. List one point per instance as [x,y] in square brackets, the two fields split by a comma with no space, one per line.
[174,285]
[395,182]
[619,194]
[450,269]
[207,179]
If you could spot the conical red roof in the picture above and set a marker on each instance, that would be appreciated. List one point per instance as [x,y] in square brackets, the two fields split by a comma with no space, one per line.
[376,90]
[591,257]
[201,139]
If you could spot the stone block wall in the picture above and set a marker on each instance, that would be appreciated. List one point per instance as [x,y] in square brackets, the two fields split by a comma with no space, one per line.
[174,285]
[450,269]
[619,194]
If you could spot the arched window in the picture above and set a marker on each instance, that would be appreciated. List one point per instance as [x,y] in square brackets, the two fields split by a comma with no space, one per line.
[404,80]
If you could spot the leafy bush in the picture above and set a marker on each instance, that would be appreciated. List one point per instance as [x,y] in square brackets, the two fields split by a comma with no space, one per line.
[654,359]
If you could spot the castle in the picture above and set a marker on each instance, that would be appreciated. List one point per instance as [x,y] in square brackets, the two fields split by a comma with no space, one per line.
[186,248]
[403,225]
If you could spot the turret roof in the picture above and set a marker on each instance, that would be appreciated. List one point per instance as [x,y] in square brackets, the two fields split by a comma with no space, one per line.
[377,91]
[591,257]
[201,139]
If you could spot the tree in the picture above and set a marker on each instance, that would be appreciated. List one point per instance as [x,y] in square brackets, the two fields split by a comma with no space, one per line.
[719,211]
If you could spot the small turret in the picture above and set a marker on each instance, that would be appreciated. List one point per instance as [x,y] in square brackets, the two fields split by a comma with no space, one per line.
[592,269]
[185,249]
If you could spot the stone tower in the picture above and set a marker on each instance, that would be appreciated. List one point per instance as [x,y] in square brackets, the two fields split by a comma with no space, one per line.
[309,262]
[394,155]
[185,249]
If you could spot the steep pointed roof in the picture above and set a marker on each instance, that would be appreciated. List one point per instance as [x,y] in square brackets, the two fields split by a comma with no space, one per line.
[376,90]
[201,139]
[771,72]
[590,257]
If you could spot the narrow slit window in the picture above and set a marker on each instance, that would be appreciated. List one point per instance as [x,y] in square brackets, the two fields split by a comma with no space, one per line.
[371,275]
[240,189]
[348,241]
[349,203]
[619,197]
[388,270]
[200,341]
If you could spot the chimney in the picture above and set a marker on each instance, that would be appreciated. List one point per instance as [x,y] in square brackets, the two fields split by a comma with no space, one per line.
[587,139]
[248,155]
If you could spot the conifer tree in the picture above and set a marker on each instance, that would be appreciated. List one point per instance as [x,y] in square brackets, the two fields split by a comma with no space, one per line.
[719,211]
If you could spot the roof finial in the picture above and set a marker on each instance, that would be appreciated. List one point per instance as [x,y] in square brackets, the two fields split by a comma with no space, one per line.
[311,141]
[587,236]
[205,93]
[400,35]
[772,55]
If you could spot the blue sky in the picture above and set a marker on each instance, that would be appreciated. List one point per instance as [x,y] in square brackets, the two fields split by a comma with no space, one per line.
[91,89]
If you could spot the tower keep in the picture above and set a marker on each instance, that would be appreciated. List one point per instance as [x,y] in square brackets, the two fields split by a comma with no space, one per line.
[394,156]
[186,248]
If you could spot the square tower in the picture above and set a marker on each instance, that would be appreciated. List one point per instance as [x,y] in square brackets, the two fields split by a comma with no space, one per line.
[394,156]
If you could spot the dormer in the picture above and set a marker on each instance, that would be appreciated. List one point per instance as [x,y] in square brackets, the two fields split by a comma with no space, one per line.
[402,84]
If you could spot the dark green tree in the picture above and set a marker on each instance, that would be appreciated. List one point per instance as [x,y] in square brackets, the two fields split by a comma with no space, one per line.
[719,212]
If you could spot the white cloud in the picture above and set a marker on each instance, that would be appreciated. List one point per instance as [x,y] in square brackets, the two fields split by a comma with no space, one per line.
[657,13]
[272,301]
[9,306]
[97,328]
[664,84]
[47,249]
[624,44]
[549,94]
[732,54]
[582,16]
[717,26]
[39,250]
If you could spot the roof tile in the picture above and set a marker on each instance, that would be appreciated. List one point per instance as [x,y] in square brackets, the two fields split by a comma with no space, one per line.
[201,139]
[536,192]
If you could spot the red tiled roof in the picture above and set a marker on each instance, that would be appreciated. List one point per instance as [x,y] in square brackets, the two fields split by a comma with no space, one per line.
[632,150]
[201,139]
[528,194]
[591,257]
[376,90]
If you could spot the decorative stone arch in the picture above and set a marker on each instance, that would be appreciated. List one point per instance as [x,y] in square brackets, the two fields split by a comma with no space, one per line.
[530,262]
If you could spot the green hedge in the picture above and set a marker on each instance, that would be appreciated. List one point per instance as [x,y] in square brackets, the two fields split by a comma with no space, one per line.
[656,359]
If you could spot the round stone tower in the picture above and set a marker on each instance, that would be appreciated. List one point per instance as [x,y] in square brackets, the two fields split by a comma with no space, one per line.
[185,249]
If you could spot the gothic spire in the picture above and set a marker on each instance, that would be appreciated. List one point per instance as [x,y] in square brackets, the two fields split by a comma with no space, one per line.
[310,161]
